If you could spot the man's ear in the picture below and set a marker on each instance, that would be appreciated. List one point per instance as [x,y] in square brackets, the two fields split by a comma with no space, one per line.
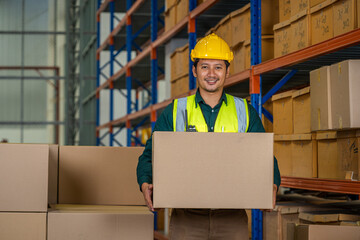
[194,71]
[227,72]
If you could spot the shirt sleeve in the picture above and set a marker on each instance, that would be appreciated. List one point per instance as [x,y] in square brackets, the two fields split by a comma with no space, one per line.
[144,167]
[255,125]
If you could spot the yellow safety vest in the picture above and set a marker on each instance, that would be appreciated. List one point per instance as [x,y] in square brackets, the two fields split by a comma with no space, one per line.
[232,117]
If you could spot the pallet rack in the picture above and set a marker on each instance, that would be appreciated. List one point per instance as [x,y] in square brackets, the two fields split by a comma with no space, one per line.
[262,77]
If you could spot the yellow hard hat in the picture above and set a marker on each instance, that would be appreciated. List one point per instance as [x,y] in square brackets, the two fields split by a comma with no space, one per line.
[212,47]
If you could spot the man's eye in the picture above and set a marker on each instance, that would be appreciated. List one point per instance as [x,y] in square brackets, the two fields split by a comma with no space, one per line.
[203,67]
[218,68]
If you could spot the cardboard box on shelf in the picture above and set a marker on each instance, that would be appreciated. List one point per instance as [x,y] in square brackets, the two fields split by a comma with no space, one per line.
[283,113]
[169,4]
[304,155]
[235,160]
[240,24]
[298,6]
[300,31]
[269,16]
[328,217]
[267,52]
[301,111]
[182,10]
[284,10]
[170,18]
[99,175]
[282,41]
[30,226]
[28,177]
[348,156]
[224,29]
[94,223]
[238,64]
[345,88]
[322,27]
[328,232]
[179,62]
[327,155]
[321,99]
[283,154]
[344,16]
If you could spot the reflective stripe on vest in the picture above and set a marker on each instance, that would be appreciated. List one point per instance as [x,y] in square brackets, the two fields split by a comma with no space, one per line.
[232,117]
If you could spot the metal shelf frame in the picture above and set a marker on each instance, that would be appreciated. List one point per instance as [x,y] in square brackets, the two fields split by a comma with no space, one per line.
[253,75]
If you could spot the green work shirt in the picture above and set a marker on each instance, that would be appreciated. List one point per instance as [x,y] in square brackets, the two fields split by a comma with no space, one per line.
[165,123]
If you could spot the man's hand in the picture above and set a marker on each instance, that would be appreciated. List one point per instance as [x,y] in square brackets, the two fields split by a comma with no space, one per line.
[147,190]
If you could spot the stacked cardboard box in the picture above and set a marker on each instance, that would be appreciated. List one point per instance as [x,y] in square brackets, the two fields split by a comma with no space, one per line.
[179,61]
[170,14]
[87,175]
[28,183]
[328,232]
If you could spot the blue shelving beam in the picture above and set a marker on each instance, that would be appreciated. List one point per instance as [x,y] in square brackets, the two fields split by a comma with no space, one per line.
[111,43]
[154,59]
[192,43]
[255,11]
[128,72]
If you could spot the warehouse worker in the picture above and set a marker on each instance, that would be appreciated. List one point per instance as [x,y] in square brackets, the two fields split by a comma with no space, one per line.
[209,110]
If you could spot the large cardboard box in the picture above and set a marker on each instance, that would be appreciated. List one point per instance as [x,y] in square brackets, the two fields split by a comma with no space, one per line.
[282,38]
[345,97]
[304,155]
[269,16]
[182,10]
[325,232]
[327,154]
[322,27]
[284,10]
[28,177]
[179,60]
[170,18]
[267,51]
[321,99]
[298,6]
[99,175]
[347,149]
[300,31]
[224,29]
[301,110]
[110,223]
[283,154]
[238,64]
[240,176]
[344,16]
[30,226]
[283,113]
[240,24]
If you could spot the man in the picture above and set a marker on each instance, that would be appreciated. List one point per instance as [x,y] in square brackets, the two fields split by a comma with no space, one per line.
[210,109]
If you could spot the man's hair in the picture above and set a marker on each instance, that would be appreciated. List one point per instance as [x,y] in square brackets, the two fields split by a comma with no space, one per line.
[227,64]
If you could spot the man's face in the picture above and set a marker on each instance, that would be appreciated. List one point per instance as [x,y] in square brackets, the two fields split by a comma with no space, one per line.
[211,74]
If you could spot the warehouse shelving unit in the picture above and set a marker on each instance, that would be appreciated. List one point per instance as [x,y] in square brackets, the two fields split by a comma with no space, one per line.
[261,77]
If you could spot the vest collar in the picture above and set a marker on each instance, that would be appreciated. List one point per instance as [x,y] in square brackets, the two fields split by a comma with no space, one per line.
[199,99]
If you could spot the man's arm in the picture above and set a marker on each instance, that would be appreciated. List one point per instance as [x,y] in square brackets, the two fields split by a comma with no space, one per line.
[255,125]
[144,167]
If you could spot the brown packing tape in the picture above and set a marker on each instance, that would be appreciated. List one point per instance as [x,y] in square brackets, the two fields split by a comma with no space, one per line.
[322,5]
[326,135]
[282,137]
[281,25]
[301,92]
[282,95]
[301,14]
[240,11]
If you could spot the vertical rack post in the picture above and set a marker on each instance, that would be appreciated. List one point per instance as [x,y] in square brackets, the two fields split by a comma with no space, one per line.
[192,43]
[154,60]
[111,43]
[255,90]
[128,70]
[98,74]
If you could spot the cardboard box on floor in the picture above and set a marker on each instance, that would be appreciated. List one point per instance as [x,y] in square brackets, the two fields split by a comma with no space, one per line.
[345,97]
[322,232]
[28,177]
[99,175]
[213,170]
[29,226]
[97,222]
